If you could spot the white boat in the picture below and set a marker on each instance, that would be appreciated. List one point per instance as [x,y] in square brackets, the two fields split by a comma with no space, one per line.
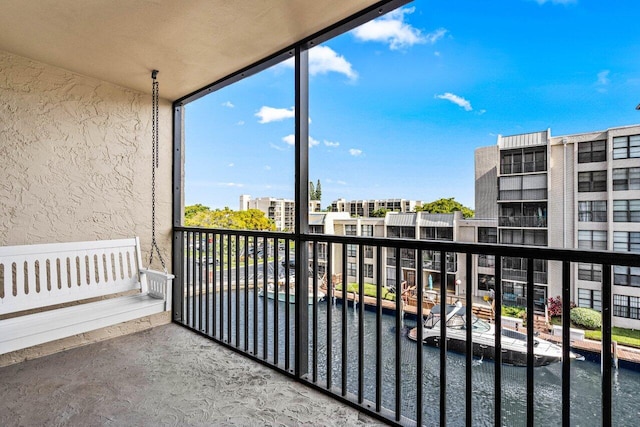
[282,294]
[514,343]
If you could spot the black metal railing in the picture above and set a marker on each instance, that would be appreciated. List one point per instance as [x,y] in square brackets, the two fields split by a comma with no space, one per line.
[240,289]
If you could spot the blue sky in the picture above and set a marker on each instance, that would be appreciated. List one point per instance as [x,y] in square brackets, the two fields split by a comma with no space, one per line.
[398,106]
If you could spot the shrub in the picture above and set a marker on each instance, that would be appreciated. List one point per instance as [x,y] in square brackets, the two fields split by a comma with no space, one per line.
[513,311]
[554,305]
[586,318]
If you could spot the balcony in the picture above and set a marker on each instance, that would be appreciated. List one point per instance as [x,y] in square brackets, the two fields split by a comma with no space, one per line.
[364,359]
[522,221]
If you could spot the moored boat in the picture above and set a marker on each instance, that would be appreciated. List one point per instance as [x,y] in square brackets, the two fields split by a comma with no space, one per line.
[282,293]
[514,343]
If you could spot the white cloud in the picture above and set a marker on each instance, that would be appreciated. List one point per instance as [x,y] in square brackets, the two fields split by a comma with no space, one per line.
[291,140]
[276,147]
[394,31]
[565,2]
[323,60]
[267,168]
[270,114]
[355,151]
[458,100]
[341,182]
[228,104]
[603,77]
[231,165]
[240,123]
[230,184]
[331,144]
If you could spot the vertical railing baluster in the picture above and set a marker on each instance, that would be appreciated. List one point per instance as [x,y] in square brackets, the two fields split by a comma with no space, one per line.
[530,343]
[360,324]
[287,323]
[255,295]
[246,294]
[420,339]
[221,302]
[607,401]
[379,327]
[443,338]
[265,291]
[237,254]
[315,313]
[189,280]
[330,296]
[399,320]
[229,287]
[345,303]
[566,343]
[469,342]
[276,299]
[214,285]
[497,353]
[200,271]
[207,272]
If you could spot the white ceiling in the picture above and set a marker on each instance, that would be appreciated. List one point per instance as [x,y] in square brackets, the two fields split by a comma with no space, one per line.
[192,42]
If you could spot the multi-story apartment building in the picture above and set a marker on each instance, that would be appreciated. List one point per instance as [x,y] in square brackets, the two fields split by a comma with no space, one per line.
[573,191]
[365,208]
[281,211]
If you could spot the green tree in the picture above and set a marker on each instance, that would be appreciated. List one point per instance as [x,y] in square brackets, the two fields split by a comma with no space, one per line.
[446,206]
[318,191]
[312,191]
[251,219]
[379,213]
[190,211]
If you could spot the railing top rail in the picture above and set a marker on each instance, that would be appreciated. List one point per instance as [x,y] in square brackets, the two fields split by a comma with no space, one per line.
[552,254]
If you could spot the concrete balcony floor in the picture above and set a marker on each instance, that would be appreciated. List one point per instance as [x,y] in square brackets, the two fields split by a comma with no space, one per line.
[162,376]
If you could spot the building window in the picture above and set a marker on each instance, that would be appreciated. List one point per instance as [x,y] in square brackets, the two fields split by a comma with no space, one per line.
[592,239]
[316,229]
[592,151]
[367,230]
[626,276]
[592,181]
[350,230]
[591,272]
[352,251]
[486,282]
[525,187]
[523,161]
[592,211]
[368,271]
[626,210]
[351,269]
[487,235]
[625,147]
[487,261]
[436,233]
[626,179]
[368,251]
[403,232]
[523,237]
[391,277]
[626,241]
[626,306]
[590,298]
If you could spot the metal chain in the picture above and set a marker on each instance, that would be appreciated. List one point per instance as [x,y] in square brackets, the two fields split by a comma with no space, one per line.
[155,143]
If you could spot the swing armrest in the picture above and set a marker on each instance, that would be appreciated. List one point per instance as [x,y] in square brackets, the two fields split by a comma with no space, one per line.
[158,285]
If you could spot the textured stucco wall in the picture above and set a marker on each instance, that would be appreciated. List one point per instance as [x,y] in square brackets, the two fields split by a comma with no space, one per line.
[76,159]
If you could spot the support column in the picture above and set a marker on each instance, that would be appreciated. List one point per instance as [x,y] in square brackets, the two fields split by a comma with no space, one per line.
[302,211]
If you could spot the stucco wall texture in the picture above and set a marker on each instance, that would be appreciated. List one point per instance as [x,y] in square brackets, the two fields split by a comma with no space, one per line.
[76,159]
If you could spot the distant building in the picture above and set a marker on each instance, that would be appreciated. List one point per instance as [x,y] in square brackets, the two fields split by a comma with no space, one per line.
[364,208]
[281,211]
[573,191]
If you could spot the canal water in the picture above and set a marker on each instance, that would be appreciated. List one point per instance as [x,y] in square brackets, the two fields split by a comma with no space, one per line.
[585,376]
